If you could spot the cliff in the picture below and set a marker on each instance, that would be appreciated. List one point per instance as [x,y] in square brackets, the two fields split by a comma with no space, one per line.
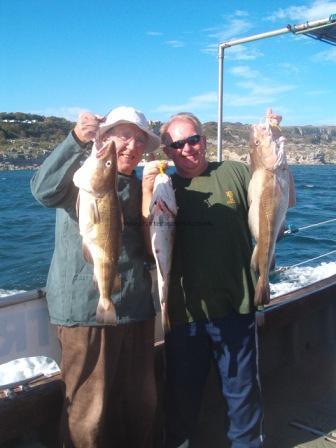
[27,139]
[309,145]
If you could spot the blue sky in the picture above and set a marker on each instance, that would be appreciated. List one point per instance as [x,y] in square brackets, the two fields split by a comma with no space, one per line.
[61,57]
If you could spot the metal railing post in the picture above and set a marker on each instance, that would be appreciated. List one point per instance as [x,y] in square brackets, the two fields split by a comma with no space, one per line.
[220,102]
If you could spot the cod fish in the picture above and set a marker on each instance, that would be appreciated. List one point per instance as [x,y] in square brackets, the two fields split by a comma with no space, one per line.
[268,196]
[100,223]
[162,215]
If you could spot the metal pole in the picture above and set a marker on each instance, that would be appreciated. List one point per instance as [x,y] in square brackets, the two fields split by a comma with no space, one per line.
[295,29]
[310,26]
[220,102]
[304,27]
[255,37]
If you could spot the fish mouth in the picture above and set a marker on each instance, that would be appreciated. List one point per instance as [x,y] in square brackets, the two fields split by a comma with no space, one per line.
[102,149]
[101,152]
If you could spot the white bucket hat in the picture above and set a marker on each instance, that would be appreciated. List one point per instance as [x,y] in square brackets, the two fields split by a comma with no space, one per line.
[124,114]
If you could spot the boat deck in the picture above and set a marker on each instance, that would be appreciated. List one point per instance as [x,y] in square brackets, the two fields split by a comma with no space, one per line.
[298,375]
[305,393]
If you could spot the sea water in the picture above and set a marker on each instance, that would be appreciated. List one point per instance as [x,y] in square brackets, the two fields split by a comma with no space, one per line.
[27,233]
[304,253]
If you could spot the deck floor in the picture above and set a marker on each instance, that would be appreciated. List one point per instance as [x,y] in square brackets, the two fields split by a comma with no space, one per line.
[305,392]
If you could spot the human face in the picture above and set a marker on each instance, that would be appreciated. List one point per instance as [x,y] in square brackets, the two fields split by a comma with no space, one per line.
[130,144]
[190,160]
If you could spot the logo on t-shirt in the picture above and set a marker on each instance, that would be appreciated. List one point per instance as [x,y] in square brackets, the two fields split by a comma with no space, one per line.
[230,198]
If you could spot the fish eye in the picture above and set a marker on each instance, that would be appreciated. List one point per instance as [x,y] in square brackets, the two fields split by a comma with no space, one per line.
[108,163]
[257,142]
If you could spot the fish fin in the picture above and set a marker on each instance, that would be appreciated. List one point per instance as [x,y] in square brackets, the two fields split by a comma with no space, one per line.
[262,292]
[254,259]
[106,313]
[94,212]
[87,254]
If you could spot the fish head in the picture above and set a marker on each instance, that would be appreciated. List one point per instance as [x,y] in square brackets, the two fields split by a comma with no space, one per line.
[267,146]
[103,167]
[163,195]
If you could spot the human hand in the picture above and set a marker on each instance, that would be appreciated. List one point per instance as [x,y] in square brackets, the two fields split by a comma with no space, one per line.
[274,121]
[87,126]
[272,118]
[150,171]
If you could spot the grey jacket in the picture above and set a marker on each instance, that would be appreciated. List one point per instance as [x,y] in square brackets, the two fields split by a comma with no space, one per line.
[72,297]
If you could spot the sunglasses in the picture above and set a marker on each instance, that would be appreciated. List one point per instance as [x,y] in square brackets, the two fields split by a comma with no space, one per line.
[192,140]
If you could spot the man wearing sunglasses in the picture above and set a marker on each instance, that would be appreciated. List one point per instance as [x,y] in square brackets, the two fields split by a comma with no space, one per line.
[211,290]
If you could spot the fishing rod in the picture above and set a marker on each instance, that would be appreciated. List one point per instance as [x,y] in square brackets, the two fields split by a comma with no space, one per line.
[290,230]
[285,268]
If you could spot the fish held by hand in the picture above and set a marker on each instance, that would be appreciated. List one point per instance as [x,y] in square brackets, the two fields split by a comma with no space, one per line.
[100,224]
[268,196]
[163,210]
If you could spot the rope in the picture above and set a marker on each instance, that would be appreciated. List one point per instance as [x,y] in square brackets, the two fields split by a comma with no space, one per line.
[291,229]
[285,268]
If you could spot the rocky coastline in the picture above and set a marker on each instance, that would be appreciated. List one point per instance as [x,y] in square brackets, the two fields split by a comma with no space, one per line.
[12,167]
[305,145]
[26,140]
[296,155]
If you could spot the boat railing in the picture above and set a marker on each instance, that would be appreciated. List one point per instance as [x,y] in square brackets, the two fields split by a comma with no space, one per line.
[25,329]
[21,297]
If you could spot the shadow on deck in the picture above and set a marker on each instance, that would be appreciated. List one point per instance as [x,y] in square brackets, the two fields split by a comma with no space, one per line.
[305,392]
[298,375]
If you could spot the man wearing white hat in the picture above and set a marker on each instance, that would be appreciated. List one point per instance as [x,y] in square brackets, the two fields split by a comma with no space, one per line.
[108,372]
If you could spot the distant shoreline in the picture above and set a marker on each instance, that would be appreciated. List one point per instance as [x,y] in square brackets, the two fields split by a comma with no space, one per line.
[19,168]
[34,168]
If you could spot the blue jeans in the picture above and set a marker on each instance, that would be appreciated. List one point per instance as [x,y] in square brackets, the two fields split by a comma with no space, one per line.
[189,348]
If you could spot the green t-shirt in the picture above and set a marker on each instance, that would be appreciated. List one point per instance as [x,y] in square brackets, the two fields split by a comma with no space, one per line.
[211,272]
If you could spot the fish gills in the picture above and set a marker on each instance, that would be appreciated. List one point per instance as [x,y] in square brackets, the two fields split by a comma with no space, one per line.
[100,224]
[162,215]
[268,196]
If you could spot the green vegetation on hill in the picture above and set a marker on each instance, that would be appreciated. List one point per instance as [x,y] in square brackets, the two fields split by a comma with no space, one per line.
[18,125]
[27,139]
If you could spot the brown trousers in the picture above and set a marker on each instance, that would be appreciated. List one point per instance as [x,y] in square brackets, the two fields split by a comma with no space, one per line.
[109,386]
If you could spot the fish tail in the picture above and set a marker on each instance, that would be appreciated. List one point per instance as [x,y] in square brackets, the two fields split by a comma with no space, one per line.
[106,313]
[262,292]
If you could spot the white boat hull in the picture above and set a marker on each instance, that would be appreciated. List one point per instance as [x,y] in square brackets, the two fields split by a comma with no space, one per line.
[25,329]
